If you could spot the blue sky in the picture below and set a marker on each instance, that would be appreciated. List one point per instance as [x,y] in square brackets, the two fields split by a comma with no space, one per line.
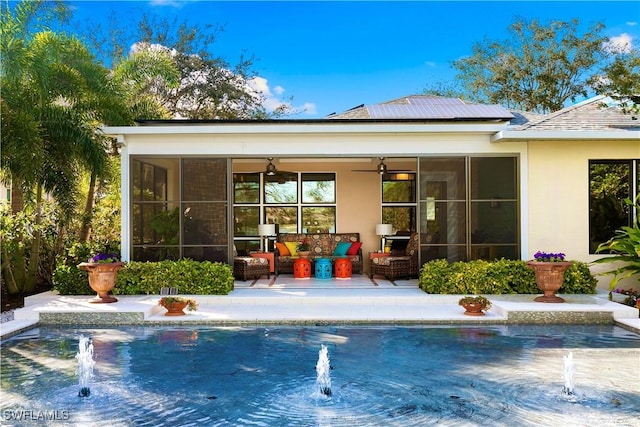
[332,56]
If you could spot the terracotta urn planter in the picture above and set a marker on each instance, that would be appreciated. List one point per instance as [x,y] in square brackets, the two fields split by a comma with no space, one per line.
[102,279]
[549,278]
[304,254]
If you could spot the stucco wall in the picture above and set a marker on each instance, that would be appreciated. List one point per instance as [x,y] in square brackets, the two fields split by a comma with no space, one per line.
[558,195]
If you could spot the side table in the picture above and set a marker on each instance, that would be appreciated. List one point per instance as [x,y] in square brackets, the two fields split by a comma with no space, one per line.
[343,268]
[268,255]
[302,268]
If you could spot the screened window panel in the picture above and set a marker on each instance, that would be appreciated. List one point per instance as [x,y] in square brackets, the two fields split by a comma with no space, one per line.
[448,226]
[442,179]
[206,253]
[204,224]
[204,179]
[451,253]
[493,252]
[493,178]
[494,222]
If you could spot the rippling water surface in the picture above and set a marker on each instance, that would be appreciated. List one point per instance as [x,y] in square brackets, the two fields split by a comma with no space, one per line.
[380,376]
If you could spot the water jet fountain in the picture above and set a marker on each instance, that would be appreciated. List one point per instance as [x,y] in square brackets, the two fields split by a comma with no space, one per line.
[85,366]
[569,371]
[323,380]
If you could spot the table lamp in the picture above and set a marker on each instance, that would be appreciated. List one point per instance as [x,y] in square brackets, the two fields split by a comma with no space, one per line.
[266,230]
[384,230]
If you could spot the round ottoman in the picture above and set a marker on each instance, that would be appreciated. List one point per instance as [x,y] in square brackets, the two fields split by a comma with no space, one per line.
[323,268]
[343,268]
[302,268]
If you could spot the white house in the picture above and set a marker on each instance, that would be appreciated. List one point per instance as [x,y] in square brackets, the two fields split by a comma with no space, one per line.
[475,181]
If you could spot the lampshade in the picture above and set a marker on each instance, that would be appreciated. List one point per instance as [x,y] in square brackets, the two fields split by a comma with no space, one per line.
[384,229]
[267,229]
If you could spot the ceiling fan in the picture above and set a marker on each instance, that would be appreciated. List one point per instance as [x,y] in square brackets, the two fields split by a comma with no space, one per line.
[271,170]
[381,169]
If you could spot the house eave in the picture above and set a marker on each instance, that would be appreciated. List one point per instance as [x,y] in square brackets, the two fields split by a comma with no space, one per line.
[306,128]
[515,135]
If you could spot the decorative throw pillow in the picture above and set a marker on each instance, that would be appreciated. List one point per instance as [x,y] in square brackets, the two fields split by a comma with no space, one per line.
[282,249]
[342,248]
[354,248]
[293,248]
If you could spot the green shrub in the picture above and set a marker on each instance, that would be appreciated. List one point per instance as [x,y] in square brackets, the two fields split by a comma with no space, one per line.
[497,277]
[70,280]
[136,278]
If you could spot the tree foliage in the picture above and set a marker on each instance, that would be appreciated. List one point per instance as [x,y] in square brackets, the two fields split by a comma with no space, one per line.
[206,86]
[538,69]
[54,97]
[620,79]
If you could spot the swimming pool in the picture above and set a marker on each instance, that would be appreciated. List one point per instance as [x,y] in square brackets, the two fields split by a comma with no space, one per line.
[380,375]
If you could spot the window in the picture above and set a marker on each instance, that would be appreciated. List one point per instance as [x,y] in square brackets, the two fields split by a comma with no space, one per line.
[399,202]
[469,208]
[296,202]
[610,183]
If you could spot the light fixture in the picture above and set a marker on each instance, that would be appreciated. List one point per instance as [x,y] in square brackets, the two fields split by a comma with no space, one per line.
[384,230]
[271,168]
[266,230]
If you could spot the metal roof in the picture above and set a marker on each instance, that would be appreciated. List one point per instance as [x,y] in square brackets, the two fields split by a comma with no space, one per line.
[426,107]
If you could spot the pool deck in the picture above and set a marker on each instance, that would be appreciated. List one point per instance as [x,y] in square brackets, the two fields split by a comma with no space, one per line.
[313,301]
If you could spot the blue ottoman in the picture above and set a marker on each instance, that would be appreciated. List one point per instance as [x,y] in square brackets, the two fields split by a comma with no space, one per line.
[323,268]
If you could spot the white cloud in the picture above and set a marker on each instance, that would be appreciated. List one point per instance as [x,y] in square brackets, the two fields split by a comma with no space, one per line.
[631,23]
[620,44]
[171,3]
[430,63]
[309,108]
[271,102]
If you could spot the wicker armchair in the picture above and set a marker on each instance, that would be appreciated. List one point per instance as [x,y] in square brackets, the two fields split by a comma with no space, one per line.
[246,267]
[397,266]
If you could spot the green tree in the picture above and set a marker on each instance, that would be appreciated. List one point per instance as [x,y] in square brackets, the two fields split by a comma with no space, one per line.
[537,69]
[54,97]
[209,87]
[620,79]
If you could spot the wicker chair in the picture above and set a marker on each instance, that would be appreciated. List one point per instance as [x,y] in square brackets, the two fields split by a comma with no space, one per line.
[250,267]
[399,266]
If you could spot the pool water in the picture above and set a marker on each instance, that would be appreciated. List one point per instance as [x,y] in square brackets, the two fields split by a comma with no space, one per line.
[380,375]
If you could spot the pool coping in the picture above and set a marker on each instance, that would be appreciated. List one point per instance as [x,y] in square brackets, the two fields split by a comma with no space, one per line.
[307,306]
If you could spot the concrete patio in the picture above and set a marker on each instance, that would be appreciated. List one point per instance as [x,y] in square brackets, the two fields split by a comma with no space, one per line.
[311,301]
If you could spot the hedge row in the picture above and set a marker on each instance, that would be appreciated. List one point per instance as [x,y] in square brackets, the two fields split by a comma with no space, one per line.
[138,278]
[497,277]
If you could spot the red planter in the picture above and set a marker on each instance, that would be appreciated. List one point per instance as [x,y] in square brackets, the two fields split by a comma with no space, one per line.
[473,309]
[549,278]
[175,309]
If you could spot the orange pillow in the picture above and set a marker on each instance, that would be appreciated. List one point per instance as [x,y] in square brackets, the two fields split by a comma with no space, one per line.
[282,249]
